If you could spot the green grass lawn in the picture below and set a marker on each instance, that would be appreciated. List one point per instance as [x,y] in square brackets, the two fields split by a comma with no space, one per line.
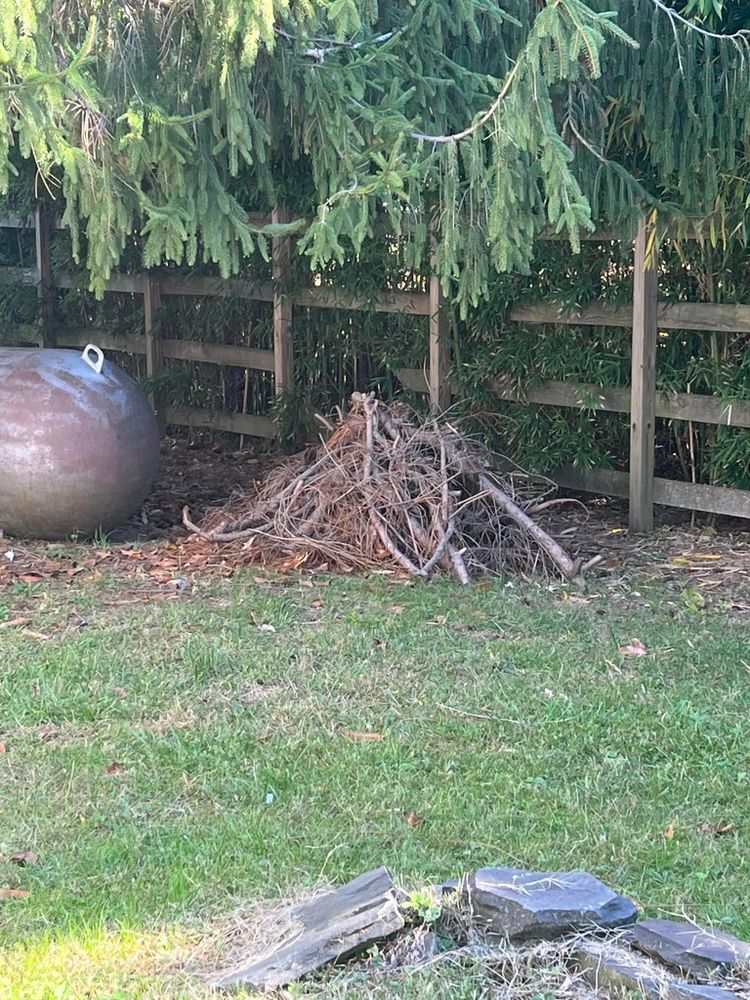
[510,724]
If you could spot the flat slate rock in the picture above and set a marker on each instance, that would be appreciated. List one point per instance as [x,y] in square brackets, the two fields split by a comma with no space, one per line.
[523,906]
[689,948]
[328,928]
[623,972]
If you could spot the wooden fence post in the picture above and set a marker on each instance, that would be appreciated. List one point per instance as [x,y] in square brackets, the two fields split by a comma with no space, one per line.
[282,308]
[440,391]
[643,384]
[46,286]
[154,355]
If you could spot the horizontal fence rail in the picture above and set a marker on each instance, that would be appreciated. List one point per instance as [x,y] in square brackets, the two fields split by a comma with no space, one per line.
[153,286]
[583,396]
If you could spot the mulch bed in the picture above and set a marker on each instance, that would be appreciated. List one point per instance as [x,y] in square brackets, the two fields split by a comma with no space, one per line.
[156,552]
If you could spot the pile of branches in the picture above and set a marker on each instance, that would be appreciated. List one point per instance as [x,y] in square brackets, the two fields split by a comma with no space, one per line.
[386,486]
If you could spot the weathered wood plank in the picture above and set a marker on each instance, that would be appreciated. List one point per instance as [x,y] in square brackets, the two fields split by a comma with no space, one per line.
[706,316]
[235,423]
[154,356]
[132,283]
[667,492]
[415,303]
[227,288]
[181,350]
[283,309]
[643,383]
[19,276]
[128,343]
[46,287]
[414,379]
[703,409]
[11,220]
[439,344]
[24,333]
[218,354]
[412,303]
[595,314]
[670,406]
[580,396]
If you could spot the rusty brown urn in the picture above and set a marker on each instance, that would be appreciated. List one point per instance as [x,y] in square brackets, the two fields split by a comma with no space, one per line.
[79,445]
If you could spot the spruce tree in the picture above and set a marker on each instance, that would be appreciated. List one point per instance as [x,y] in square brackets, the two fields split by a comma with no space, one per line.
[485,123]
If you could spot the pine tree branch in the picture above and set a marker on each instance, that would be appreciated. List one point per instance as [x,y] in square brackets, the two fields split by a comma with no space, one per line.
[743,35]
[481,121]
[326,46]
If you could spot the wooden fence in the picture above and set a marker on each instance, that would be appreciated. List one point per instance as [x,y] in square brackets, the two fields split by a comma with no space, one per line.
[646,317]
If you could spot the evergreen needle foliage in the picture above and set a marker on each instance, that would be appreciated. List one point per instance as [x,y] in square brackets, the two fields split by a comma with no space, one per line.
[165,123]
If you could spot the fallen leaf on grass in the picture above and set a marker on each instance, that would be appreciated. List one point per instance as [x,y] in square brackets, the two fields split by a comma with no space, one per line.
[414,820]
[575,598]
[14,893]
[31,578]
[718,830]
[362,737]
[634,648]
[24,858]
[397,609]
[15,623]
[115,768]
[3,748]
[670,832]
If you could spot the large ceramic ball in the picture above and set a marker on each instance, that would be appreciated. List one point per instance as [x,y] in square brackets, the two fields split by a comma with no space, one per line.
[79,444]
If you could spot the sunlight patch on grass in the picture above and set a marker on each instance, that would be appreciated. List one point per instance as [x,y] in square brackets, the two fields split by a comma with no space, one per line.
[98,964]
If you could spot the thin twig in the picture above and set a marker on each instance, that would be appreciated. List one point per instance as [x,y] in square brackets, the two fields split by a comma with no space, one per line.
[480,122]
[221,536]
[742,35]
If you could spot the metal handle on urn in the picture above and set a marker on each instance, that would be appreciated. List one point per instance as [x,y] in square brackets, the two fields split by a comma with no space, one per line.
[98,362]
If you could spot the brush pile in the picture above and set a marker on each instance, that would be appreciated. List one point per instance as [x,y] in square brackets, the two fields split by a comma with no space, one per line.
[386,486]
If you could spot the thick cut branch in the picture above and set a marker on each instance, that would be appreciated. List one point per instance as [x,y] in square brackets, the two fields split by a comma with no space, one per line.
[554,550]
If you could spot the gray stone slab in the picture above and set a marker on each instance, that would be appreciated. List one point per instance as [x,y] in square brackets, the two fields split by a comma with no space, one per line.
[326,929]
[523,906]
[689,948]
[694,991]
[621,972]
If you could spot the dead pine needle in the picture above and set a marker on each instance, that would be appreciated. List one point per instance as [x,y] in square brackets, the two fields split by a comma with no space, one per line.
[386,487]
